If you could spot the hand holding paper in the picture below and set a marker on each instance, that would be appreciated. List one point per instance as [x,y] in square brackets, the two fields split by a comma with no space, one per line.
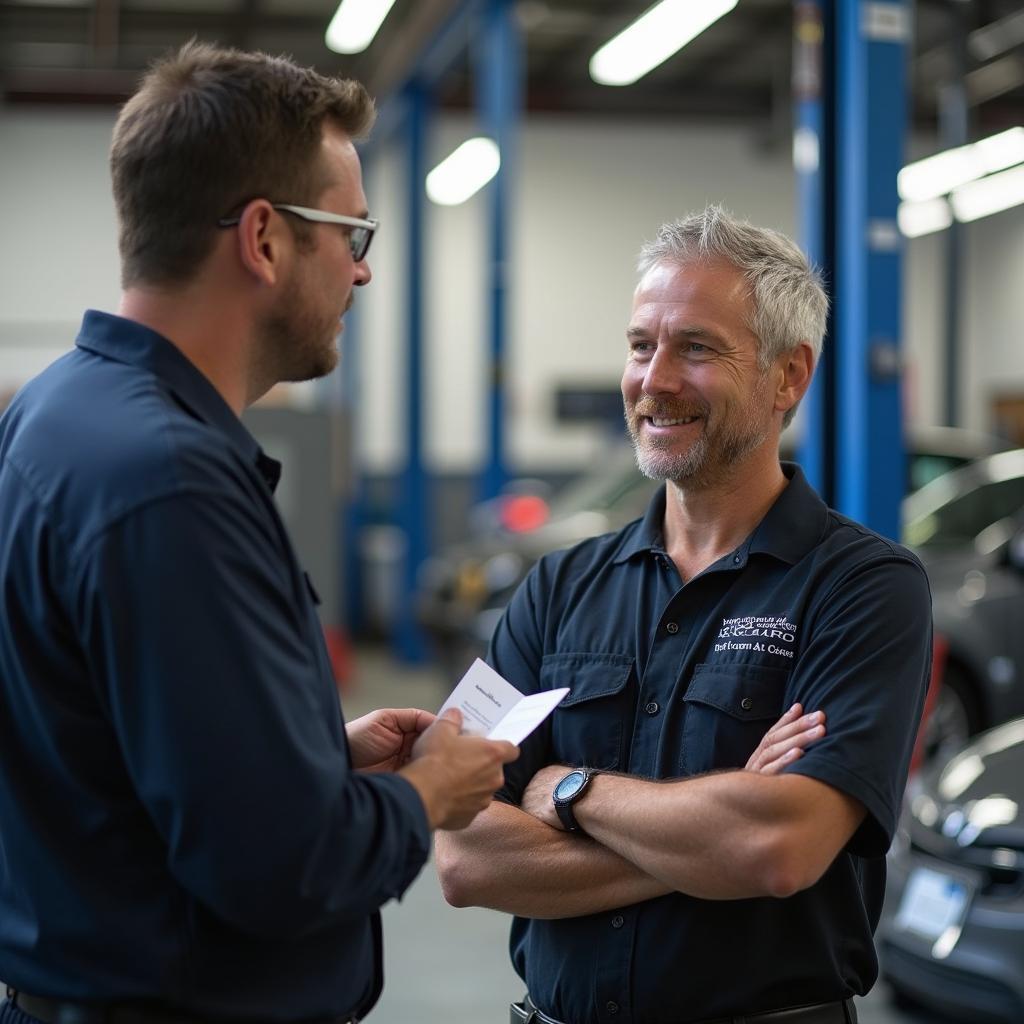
[492,707]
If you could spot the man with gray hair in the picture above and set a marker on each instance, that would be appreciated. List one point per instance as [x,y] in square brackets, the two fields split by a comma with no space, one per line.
[665,860]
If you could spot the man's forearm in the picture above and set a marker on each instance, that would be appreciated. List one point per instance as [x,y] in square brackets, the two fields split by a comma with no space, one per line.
[731,835]
[508,860]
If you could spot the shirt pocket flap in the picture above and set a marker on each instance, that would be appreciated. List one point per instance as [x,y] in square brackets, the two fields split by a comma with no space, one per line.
[745,692]
[588,676]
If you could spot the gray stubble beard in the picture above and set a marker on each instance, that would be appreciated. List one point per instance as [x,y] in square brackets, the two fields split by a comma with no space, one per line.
[697,467]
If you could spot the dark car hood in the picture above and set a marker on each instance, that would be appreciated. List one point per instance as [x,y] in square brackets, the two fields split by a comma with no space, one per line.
[947,566]
[976,799]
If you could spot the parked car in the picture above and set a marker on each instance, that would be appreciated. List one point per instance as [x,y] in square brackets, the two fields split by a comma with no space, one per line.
[616,490]
[968,528]
[465,588]
[935,451]
[952,932]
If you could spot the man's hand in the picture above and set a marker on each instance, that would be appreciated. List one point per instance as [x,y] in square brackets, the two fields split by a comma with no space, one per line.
[785,741]
[382,741]
[456,775]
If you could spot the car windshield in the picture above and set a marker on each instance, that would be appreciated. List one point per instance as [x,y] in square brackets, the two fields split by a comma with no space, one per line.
[924,467]
[959,520]
[602,487]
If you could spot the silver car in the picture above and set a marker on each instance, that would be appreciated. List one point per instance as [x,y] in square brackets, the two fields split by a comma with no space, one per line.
[952,933]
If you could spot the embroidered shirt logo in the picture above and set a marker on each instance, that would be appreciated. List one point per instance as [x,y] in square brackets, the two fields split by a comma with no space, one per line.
[771,634]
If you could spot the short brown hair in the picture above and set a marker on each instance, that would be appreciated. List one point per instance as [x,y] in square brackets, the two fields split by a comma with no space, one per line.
[208,130]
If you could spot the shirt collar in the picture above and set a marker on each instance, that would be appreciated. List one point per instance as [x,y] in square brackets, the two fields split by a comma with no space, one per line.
[127,341]
[795,523]
[646,535]
[789,529]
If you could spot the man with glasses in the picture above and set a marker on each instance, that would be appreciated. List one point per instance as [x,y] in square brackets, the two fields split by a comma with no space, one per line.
[189,831]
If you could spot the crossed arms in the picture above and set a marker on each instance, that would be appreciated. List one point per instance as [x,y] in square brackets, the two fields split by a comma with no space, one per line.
[726,835]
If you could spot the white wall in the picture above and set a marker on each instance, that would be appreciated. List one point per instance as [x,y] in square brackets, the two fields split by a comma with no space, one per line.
[991,319]
[587,193]
[59,249]
[993,314]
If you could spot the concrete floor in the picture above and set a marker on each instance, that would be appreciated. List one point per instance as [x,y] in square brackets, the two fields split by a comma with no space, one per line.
[446,966]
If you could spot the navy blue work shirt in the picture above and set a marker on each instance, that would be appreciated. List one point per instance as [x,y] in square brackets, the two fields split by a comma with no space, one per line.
[179,817]
[672,680]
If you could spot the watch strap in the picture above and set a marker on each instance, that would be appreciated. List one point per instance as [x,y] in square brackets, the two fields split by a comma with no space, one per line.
[564,808]
[567,816]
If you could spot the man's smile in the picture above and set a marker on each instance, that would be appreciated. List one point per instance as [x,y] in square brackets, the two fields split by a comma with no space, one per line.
[659,422]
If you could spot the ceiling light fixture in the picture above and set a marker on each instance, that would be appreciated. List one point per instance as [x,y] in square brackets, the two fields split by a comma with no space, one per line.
[989,195]
[653,38]
[464,172]
[355,23]
[938,175]
[923,218]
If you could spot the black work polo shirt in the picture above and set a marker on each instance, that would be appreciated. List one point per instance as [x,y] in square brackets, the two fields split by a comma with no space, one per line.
[671,680]
[179,819]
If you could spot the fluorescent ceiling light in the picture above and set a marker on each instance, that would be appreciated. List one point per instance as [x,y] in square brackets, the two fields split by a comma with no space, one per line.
[940,174]
[355,23]
[923,218]
[989,195]
[653,38]
[464,172]
[997,37]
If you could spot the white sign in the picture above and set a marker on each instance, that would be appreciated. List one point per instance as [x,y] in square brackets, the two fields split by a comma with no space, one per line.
[932,903]
[886,22]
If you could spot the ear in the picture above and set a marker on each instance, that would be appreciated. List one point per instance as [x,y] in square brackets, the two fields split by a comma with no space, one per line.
[794,371]
[261,241]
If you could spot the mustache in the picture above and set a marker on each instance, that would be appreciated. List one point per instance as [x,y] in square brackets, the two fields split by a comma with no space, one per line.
[669,409]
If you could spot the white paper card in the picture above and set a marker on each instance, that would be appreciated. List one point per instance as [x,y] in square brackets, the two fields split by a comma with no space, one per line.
[492,707]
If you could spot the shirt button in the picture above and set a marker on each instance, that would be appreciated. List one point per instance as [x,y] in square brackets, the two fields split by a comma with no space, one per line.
[736,559]
[746,703]
[618,921]
[651,708]
[611,1007]
[672,627]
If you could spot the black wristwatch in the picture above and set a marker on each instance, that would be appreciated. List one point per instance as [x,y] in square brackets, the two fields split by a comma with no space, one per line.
[568,790]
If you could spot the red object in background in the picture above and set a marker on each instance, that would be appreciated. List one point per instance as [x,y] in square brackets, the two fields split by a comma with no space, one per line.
[522,513]
[340,652]
[940,649]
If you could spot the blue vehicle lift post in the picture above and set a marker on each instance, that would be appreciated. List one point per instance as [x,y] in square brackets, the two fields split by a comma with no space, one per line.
[857,420]
[413,501]
[487,28]
[499,82]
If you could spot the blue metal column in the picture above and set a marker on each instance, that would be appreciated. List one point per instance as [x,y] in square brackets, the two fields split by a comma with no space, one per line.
[413,501]
[871,58]
[813,165]
[499,77]
[354,513]
[954,131]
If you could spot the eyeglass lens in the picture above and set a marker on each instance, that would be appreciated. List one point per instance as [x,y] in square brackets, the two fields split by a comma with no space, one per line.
[359,241]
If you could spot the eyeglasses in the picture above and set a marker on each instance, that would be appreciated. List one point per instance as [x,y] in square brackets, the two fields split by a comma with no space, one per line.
[359,237]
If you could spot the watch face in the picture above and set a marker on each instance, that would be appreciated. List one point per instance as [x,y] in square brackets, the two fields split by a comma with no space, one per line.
[570,785]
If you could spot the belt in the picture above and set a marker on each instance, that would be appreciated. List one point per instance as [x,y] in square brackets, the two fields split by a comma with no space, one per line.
[61,1011]
[845,1012]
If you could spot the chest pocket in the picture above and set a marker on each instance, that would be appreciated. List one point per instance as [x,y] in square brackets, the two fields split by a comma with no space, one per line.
[727,711]
[587,727]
